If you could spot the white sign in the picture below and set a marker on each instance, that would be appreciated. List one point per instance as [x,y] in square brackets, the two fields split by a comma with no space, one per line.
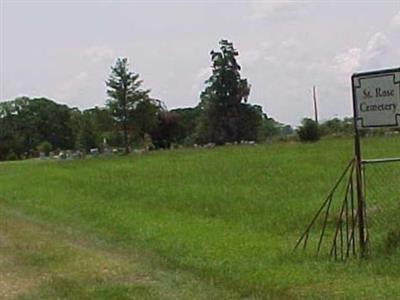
[376,97]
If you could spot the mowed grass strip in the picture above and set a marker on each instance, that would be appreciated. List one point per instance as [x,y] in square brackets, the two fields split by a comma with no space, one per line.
[38,261]
[230,215]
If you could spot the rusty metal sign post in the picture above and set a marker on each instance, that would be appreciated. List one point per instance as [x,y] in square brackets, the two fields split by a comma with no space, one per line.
[376,104]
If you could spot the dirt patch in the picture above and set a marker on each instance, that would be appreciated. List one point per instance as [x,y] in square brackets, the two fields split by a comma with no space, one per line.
[12,286]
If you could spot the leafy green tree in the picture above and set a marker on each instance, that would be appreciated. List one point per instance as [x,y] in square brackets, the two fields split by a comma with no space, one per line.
[167,130]
[333,126]
[18,134]
[100,118]
[7,134]
[25,123]
[86,137]
[187,120]
[51,122]
[146,115]
[94,125]
[250,121]
[221,100]
[337,126]
[269,128]
[123,89]
[113,138]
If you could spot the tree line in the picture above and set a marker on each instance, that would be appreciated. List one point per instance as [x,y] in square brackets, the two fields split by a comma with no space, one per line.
[131,118]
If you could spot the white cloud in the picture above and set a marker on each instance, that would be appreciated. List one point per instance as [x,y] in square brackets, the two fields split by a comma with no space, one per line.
[99,53]
[70,89]
[279,10]
[376,48]
[250,57]
[285,48]
[289,43]
[198,83]
[382,50]
[347,62]
[270,59]
[203,73]
[396,20]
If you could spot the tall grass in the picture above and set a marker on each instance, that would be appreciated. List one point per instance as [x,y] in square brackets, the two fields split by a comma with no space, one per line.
[231,215]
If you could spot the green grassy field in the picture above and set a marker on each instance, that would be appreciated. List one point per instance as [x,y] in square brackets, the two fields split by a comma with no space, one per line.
[182,224]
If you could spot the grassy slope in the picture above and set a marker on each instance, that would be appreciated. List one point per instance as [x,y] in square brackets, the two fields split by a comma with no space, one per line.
[229,215]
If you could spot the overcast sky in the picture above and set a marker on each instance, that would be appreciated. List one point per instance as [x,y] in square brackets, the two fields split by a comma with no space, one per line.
[63,50]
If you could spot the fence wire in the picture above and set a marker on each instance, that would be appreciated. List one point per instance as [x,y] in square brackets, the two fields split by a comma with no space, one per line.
[333,229]
[382,198]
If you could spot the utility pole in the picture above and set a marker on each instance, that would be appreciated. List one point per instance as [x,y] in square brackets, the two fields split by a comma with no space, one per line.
[315,104]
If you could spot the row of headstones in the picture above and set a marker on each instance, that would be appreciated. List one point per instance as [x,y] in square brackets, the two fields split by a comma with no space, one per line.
[77,154]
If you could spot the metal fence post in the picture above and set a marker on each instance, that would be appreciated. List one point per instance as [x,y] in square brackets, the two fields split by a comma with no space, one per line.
[359,181]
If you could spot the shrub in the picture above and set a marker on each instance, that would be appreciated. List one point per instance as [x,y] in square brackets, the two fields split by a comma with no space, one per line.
[12,156]
[45,147]
[308,131]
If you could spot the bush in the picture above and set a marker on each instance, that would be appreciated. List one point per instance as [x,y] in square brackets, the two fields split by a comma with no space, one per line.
[45,147]
[12,156]
[308,131]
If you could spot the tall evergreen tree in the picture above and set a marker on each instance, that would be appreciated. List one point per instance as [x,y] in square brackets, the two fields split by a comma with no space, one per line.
[123,89]
[221,100]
